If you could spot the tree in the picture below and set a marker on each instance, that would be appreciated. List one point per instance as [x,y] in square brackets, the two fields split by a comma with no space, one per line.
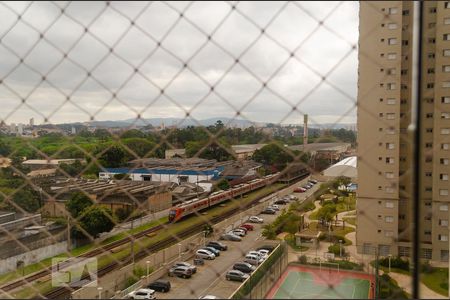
[96,219]
[326,213]
[71,169]
[114,157]
[5,149]
[273,155]
[78,203]
[122,214]
[140,146]
[269,232]
[223,184]
[26,200]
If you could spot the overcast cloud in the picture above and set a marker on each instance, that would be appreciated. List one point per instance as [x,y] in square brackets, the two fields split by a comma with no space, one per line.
[237,87]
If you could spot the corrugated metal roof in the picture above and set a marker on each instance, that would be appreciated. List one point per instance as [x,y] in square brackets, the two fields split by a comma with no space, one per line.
[165,171]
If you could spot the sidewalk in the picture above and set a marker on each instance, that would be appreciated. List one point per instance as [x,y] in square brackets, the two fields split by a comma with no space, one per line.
[404,281]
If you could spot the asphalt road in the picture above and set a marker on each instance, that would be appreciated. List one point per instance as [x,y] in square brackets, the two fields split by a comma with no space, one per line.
[210,278]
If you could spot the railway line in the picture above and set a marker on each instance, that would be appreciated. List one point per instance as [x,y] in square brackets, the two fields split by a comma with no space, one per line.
[64,292]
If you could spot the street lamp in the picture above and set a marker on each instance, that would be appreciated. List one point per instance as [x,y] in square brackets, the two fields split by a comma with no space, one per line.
[179,250]
[340,248]
[390,255]
[148,266]
[99,292]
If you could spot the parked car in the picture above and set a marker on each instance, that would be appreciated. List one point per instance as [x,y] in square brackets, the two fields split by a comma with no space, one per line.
[248,226]
[269,211]
[255,219]
[274,206]
[160,285]
[184,272]
[218,245]
[236,275]
[281,202]
[299,190]
[142,294]
[230,237]
[313,181]
[264,253]
[186,264]
[253,259]
[255,253]
[209,297]
[243,228]
[293,198]
[213,250]
[238,232]
[307,186]
[266,247]
[205,254]
[244,267]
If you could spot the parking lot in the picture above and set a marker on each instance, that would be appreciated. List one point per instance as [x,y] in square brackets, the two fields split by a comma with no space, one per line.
[210,278]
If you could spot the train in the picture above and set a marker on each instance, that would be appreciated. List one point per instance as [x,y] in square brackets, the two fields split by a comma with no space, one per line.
[184,209]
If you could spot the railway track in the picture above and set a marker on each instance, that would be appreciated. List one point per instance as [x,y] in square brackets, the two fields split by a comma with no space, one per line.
[65,292]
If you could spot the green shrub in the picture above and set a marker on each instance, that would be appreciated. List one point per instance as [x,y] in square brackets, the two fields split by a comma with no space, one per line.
[396,262]
[335,248]
[388,289]
[303,259]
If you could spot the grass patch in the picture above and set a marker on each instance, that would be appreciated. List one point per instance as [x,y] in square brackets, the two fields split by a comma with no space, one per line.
[351,221]
[290,240]
[437,280]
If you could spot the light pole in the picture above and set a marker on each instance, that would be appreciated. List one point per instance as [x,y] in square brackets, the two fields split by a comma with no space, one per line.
[390,255]
[179,250]
[99,292]
[148,266]
[340,248]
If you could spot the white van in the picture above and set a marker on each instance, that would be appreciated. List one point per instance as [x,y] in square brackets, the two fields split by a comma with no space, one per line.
[253,259]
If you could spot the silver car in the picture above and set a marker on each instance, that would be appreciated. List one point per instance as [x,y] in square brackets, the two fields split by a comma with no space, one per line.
[205,254]
[230,237]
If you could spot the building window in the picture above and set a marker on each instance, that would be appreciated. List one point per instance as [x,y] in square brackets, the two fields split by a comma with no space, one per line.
[391,86]
[430,85]
[427,232]
[443,177]
[429,100]
[446,84]
[391,56]
[390,146]
[432,40]
[444,161]
[447,4]
[446,37]
[391,71]
[404,72]
[444,255]
[446,21]
[429,115]
[428,145]
[446,69]
[389,219]
[426,253]
[389,160]
[443,222]
[388,233]
[392,26]
[405,42]
[430,71]
[443,207]
[445,115]
[391,101]
[431,25]
[443,238]
[432,10]
[405,12]
[445,100]
[443,192]
[428,174]
[429,130]
[390,116]
[389,175]
[445,130]
[389,204]
[390,130]
[446,52]
[393,10]
[445,146]
[431,55]
[392,41]
[428,189]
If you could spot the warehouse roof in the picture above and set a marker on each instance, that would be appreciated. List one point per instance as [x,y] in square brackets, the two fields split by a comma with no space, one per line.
[345,167]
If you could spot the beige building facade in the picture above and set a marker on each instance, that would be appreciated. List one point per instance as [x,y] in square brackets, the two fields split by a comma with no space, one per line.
[384,144]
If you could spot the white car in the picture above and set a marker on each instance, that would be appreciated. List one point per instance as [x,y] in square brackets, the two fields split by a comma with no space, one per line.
[253,259]
[205,254]
[209,297]
[142,294]
[255,219]
[264,253]
[255,253]
[238,232]
[274,206]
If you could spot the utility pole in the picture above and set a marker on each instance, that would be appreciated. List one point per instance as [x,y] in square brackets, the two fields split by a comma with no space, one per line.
[69,242]
[132,237]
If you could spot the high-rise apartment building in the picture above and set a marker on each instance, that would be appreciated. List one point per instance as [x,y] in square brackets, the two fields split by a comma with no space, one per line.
[384,208]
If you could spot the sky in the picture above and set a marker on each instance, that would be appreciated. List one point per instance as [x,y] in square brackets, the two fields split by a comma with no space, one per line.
[264,61]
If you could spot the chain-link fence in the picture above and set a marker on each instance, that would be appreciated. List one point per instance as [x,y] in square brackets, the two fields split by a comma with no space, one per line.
[138,135]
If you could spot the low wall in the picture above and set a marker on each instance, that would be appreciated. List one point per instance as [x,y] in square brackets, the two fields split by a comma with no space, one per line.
[10,264]
[21,223]
[7,217]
